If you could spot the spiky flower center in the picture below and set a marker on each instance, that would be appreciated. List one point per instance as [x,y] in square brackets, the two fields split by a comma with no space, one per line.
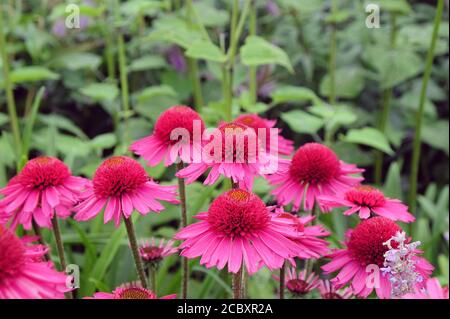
[331,295]
[133,293]
[365,196]
[118,175]
[42,172]
[11,254]
[366,240]
[238,213]
[297,286]
[176,117]
[314,164]
[238,143]
[151,253]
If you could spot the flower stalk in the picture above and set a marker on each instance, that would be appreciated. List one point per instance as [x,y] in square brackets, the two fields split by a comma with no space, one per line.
[253,89]
[419,114]
[282,280]
[60,249]
[135,250]
[386,106]
[184,261]
[332,57]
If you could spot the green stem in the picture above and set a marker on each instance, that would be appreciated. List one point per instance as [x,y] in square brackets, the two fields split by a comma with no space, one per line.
[385,108]
[60,249]
[135,251]
[419,115]
[152,278]
[185,265]
[282,280]
[252,70]
[38,233]
[332,58]
[14,122]
[193,64]
[238,284]
[124,85]
[236,28]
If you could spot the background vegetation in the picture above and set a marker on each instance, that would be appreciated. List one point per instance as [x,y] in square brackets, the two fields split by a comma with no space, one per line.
[312,64]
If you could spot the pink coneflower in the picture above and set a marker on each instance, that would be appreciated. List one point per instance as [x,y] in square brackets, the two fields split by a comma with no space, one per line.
[314,170]
[43,188]
[130,291]
[122,185]
[432,290]
[238,229]
[153,252]
[241,163]
[159,145]
[307,237]
[285,146]
[366,200]
[23,272]
[300,283]
[329,291]
[361,262]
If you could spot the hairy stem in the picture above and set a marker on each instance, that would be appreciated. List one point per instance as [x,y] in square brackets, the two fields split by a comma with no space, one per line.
[385,108]
[184,261]
[135,250]
[282,280]
[332,57]
[60,249]
[238,284]
[419,115]
[252,84]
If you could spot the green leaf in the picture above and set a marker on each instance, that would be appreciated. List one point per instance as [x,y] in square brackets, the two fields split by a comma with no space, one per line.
[285,94]
[3,119]
[338,16]
[369,136]
[104,141]
[302,122]
[397,6]
[205,50]
[209,15]
[394,66]
[349,82]
[435,134]
[32,74]
[100,91]
[154,91]
[174,30]
[147,62]
[393,185]
[257,51]
[76,61]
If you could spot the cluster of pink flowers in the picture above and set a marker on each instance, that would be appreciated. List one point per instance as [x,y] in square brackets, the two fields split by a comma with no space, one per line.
[238,231]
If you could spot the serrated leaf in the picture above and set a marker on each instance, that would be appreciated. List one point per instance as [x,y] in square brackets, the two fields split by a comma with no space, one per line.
[349,82]
[32,74]
[77,61]
[257,51]
[147,62]
[205,50]
[285,94]
[302,122]
[393,66]
[436,135]
[100,91]
[370,137]
[103,141]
